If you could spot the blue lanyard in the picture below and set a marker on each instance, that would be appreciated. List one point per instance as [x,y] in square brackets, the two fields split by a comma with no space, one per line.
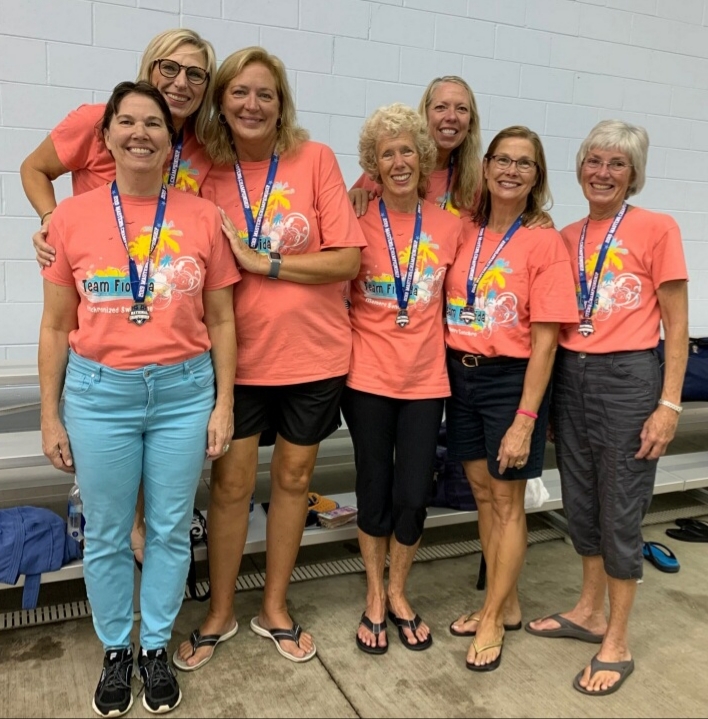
[254,225]
[472,283]
[138,285]
[588,297]
[177,155]
[448,184]
[402,293]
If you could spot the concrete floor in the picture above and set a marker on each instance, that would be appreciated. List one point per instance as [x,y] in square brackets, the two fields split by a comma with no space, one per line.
[52,670]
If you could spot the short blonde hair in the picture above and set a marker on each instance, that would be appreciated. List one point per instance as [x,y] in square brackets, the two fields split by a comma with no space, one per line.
[631,140]
[165,44]
[466,157]
[539,198]
[392,121]
[290,136]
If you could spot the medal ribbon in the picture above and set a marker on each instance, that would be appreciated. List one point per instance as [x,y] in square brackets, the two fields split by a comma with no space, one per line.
[138,285]
[403,293]
[448,184]
[254,225]
[588,297]
[473,284]
[176,156]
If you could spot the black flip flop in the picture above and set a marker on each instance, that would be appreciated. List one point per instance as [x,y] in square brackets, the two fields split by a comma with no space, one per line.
[413,625]
[375,629]
[695,524]
[687,534]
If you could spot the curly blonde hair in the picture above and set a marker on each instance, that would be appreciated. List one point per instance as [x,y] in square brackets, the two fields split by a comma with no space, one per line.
[165,44]
[219,144]
[392,121]
[467,157]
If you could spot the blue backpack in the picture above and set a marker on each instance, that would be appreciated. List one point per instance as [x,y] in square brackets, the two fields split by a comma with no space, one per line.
[33,540]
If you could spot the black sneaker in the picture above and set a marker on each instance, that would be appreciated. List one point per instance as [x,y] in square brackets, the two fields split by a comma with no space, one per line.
[113,696]
[162,692]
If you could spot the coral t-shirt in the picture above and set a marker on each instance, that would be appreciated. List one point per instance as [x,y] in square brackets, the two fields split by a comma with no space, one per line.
[79,147]
[288,332]
[645,252]
[402,362]
[437,191]
[530,281]
[192,256]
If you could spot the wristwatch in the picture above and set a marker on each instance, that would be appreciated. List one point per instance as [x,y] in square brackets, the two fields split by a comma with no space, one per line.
[275,262]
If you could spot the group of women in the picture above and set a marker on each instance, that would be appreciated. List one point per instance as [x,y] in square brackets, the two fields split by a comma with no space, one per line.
[436,284]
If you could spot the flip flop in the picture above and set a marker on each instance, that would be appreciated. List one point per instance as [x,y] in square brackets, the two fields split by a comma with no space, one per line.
[687,533]
[694,524]
[375,629]
[278,635]
[492,665]
[567,629]
[661,557]
[198,640]
[471,617]
[624,669]
[413,625]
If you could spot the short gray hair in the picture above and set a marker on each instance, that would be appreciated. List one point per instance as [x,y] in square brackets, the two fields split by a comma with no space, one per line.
[391,121]
[632,140]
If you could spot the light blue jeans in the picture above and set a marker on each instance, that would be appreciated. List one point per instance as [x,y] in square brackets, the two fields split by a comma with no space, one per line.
[124,425]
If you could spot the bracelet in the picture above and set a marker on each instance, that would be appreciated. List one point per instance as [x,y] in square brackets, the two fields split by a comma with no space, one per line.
[41,219]
[527,412]
[675,407]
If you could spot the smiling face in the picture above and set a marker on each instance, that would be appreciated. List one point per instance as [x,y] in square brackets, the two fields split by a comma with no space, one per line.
[251,108]
[398,164]
[605,187]
[508,184]
[137,136]
[183,97]
[449,115]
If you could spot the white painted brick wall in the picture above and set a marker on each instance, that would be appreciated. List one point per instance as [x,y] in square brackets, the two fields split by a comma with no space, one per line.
[558,66]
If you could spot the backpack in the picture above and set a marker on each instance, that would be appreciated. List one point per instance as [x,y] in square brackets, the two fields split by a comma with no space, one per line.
[33,540]
[450,486]
[695,381]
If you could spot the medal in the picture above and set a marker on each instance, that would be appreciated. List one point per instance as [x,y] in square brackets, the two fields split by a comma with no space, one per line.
[139,313]
[467,314]
[402,318]
[585,328]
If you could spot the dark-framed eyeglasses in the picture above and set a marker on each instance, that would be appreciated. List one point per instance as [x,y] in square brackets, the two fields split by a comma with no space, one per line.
[615,166]
[523,164]
[170,68]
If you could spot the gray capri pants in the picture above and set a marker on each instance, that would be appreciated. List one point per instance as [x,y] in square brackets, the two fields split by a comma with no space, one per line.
[599,406]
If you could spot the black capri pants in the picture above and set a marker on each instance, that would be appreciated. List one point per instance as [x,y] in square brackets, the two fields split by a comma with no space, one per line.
[394,450]
[600,403]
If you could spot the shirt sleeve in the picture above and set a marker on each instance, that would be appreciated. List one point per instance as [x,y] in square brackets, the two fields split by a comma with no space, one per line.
[668,261]
[59,272]
[337,221]
[221,269]
[366,183]
[76,135]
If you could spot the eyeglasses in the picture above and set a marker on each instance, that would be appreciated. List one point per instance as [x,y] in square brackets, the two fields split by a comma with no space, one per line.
[616,166]
[170,68]
[523,164]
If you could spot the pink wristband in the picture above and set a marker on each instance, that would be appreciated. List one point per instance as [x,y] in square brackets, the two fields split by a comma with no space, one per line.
[528,413]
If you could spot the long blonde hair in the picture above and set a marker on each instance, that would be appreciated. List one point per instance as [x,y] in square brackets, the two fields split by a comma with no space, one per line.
[467,157]
[165,44]
[290,135]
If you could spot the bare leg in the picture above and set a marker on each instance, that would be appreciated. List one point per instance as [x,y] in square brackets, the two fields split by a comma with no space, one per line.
[589,612]
[233,478]
[615,645]
[399,567]
[290,470]
[137,533]
[480,480]
[508,543]
[373,552]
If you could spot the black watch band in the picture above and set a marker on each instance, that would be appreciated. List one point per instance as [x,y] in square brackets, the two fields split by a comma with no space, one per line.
[275,262]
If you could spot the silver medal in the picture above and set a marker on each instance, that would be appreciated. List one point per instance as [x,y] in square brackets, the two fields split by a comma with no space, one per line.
[402,318]
[139,313]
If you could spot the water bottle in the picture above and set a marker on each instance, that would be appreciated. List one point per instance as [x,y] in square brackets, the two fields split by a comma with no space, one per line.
[75,515]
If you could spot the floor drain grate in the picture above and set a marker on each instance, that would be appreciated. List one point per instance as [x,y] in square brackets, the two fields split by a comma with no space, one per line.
[45,615]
